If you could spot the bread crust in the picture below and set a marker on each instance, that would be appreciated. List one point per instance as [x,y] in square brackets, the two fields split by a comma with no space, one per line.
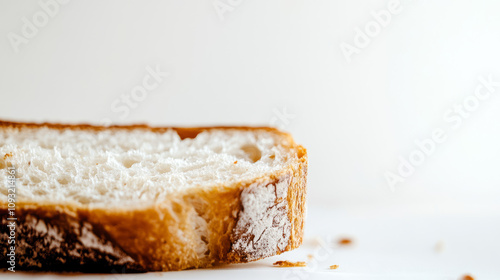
[192,229]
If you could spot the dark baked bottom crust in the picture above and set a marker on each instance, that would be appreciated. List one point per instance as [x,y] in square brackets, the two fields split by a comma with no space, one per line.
[50,241]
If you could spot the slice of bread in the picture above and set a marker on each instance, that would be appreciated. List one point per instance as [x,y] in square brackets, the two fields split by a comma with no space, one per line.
[139,198]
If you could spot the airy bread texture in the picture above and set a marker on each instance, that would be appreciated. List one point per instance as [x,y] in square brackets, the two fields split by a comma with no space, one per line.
[120,166]
[137,198]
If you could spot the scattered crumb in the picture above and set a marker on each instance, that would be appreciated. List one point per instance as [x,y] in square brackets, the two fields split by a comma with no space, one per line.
[7,155]
[318,240]
[467,277]
[310,257]
[289,264]
[314,241]
[236,162]
[439,247]
[335,266]
[345,241]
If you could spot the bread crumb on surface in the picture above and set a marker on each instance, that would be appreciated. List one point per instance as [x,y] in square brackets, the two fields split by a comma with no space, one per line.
[335,266]
[345,241]
[313,241]
[467,277]
[310,257]
[439,247]
[289,264]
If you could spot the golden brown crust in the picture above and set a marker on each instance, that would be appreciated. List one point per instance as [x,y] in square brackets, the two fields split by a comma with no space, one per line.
[289,264]
[162,237]
[184,132]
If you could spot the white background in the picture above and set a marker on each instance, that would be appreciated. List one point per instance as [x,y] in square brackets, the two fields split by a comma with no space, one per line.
[261,58]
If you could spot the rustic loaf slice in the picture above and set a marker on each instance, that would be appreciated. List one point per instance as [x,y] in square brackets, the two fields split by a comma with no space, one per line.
[139,198]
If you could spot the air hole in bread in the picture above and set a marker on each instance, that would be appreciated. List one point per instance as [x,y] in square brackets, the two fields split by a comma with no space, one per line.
[204,239]
[217,149]
[128,162]
[187,133]
[40,192]
[63,180]
[253,152]
[35,179]
[38,164]
[102,190]
[163,168]
[45,145]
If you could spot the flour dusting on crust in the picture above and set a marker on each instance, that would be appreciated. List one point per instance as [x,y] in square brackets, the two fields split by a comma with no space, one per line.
[263,227]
